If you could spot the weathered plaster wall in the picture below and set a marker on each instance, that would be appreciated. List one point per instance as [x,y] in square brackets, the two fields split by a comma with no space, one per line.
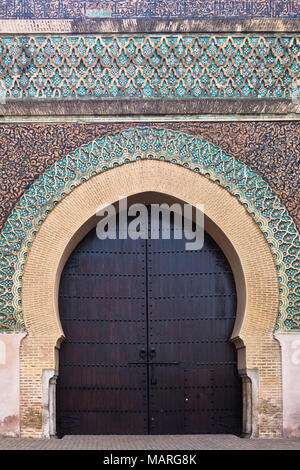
[9,383]
[290,350]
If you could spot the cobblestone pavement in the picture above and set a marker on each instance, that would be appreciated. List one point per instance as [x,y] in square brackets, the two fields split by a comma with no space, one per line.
[183,442]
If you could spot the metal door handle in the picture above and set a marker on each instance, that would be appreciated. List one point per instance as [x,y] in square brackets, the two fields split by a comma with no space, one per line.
[143,353]
[152,353]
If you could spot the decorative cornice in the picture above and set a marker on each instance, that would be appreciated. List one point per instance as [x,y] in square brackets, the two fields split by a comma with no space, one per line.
[40,9]
[145,107]
[85,118]
[149,74]
[146,25]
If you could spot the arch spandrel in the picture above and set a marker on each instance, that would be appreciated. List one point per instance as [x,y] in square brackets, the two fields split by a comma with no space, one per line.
[147,143]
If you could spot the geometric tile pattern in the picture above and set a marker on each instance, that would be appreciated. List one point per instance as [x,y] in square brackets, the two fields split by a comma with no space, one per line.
[198,66]
[80,9]
[149,143]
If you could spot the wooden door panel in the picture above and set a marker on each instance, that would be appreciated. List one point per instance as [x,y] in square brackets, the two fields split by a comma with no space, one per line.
[84,399]
[199,422]
[225,374]
[191,311]
[105,263]
[166,400]
[101,286]
[166,422]
[105,331]
[104,317]
[187,353]
[197,286]
[160,307]
[182,262]
[113,308]
[147,349]
[89,376]
[200,399]
[173,373]
[110,354]
[190,329]
[93,422]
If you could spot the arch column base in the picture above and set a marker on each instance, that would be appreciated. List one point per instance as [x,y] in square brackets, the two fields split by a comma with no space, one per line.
[49,403]
[250,402]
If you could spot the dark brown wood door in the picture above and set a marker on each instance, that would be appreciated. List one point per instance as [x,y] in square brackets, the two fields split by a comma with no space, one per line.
[147,347]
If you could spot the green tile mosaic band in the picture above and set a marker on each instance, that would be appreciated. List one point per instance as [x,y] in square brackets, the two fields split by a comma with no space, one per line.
[197,66]
[149,143]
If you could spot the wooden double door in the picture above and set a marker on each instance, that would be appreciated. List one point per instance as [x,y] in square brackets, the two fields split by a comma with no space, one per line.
[147,348]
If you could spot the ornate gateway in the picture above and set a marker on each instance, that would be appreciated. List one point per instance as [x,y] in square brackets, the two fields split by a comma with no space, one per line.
[196,101]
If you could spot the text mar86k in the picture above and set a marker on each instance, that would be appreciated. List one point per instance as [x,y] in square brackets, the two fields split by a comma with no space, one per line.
[151,459]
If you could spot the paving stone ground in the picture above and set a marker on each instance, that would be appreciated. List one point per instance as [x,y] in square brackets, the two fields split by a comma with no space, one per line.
[186,442]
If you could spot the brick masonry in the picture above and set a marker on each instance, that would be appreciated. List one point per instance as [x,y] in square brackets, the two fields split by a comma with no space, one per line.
[56,239]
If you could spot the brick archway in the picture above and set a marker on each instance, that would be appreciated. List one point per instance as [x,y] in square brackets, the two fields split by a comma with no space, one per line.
[234,230]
